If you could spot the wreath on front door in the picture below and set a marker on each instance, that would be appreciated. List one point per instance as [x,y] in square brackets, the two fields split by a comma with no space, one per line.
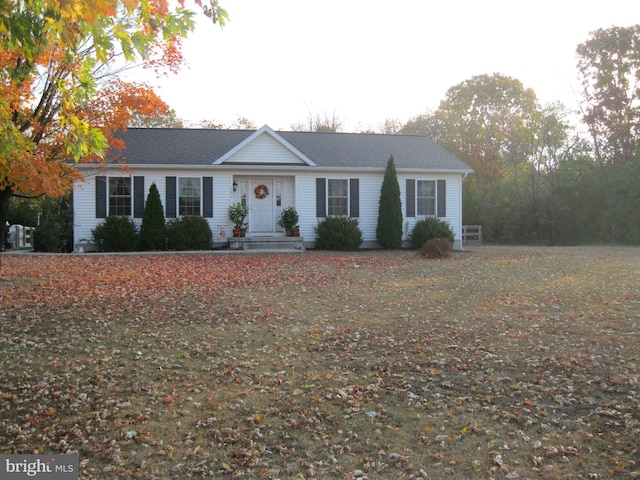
[261,191]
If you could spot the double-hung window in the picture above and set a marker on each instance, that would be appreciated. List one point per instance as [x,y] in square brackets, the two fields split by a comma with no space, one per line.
[120,196]
[337,197]
[426,197]
[189,194]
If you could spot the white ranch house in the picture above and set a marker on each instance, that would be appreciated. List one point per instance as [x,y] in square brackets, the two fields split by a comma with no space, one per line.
[202,172]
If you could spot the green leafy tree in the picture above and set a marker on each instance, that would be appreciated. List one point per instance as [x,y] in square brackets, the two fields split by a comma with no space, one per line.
[487,122]
[418,125]
[167,120]
[498,128]
[389,228]
[609,64]
[153,229]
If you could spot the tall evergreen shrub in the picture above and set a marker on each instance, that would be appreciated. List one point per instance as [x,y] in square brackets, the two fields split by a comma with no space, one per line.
[55,233]
[389,229]
[153,229]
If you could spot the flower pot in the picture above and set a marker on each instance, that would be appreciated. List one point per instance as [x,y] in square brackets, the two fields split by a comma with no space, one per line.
[289,232]
[237,232]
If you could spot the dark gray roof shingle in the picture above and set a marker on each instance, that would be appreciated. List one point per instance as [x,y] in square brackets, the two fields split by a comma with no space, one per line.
[159,146]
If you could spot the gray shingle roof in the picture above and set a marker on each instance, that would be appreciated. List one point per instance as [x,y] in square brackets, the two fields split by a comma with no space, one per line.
[159,146]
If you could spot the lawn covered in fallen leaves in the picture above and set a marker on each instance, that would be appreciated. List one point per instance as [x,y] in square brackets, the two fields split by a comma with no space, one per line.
[501,362]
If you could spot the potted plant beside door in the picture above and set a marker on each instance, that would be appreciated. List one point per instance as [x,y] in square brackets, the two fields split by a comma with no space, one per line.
[288,220]
[237,214]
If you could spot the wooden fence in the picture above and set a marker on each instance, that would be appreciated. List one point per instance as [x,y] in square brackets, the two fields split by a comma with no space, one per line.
[471,234]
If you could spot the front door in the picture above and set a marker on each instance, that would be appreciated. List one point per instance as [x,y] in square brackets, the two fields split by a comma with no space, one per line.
[261,198]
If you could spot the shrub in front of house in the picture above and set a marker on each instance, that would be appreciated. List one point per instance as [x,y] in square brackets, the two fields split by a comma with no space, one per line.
[189,233]
[54,233]
[116,234]
[153,229]
[389,228]
[429,228]
[338,233]
[436,248]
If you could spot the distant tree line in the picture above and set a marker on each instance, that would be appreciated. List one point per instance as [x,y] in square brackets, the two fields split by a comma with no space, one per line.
[543,174]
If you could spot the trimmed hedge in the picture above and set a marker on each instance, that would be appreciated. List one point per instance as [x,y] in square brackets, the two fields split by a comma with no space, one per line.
[429,228]
[338,233]
[118,234]
[189,233]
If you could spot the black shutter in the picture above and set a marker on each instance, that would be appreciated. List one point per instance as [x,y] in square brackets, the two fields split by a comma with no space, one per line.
[138,197]
[411,198]
[442,198]
[354,197]
[171,197]
[207,197]
[321,202]
[101,197]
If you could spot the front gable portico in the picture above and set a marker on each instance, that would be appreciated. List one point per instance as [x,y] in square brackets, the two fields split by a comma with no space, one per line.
[264,147]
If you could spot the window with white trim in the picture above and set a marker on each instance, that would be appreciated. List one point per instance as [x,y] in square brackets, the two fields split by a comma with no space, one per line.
[426,197]
[337,197]
[119,196]
[189,196]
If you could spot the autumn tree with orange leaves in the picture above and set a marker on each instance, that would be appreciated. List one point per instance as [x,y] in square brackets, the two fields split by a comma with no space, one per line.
[60,99]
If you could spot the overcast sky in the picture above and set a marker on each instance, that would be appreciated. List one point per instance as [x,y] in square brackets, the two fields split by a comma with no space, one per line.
[369,60]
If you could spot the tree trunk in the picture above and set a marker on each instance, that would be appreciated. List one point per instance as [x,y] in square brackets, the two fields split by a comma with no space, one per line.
[5,197]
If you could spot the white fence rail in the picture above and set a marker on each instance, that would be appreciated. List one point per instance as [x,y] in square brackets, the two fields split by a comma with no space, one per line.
[471,234]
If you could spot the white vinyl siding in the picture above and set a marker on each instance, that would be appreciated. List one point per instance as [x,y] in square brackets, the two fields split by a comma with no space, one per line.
[298,189]
[453,202]
[263,150]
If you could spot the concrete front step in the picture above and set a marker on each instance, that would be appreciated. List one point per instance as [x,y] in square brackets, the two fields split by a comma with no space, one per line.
[269,243]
